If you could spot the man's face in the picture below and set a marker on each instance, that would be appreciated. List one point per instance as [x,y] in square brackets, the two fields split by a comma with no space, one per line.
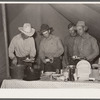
[46,34]
[72,31]
[80,30]
[24,36]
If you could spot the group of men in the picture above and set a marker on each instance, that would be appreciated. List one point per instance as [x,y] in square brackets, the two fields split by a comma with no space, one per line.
[80,43]
[51,50]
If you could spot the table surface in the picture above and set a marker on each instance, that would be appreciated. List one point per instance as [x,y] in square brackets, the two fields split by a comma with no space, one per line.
[15,83]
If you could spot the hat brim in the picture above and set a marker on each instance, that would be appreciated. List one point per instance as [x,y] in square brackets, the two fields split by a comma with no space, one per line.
[27,33]
[51,29]
[43,30]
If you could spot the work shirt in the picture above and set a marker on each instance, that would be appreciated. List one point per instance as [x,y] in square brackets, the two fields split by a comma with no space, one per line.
[22,47]
[68,45]
[86,47]
[50,47]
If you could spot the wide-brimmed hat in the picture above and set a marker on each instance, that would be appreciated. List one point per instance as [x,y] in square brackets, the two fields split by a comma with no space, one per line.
[45,27]
[82,23]
[27,29]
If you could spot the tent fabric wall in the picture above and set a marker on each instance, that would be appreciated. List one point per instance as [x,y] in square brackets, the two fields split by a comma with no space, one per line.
[57,16]
[54,19]
[26,13]
[35,14]
[88,13]
[2,51]
[22,16]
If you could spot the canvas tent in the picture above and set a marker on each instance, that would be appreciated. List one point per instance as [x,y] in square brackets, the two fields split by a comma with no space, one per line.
[57,16]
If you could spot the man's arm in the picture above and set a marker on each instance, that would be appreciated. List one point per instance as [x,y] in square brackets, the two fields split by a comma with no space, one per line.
[75,48]
[60,50]
[12,49]
[95,50]
[33,49]
[65,58]
[11,52]
[41,52]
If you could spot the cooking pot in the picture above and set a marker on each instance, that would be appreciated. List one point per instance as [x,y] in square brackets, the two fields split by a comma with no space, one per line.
[32,73]
[17,71]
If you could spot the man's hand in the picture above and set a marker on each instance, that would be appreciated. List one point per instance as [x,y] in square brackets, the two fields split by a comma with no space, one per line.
[83,58]
[32,58]
[51,59]
[48,60]
[57,71]
[14,61]
[44,61]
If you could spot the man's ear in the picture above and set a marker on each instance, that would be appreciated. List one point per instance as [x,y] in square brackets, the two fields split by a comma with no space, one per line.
[86,28]
[75,28]
[49,31]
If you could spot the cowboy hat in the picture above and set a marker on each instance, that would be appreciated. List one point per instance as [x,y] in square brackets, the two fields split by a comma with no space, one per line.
[45,27]
[27,29]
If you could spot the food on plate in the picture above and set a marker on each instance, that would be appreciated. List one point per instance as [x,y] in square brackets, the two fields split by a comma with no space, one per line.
[75,57]
[56,75]
[47,60]
[61,78]
[96,65]
[29,60]
[49,73]
[66,74]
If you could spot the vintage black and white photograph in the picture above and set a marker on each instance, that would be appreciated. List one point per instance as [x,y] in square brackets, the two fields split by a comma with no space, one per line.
[50,45]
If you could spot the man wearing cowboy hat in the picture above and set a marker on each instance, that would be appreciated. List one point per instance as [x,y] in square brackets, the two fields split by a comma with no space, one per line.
[50,50]
[22,45]
[85,45]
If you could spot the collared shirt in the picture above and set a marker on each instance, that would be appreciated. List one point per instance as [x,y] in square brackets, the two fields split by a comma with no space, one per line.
[86,47]
[50,47]
[22,47]
[69,45]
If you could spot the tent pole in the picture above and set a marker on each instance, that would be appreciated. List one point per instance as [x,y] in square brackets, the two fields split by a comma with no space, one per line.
[5,38]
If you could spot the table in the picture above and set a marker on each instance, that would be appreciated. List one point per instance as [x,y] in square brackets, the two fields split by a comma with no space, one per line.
[14,83]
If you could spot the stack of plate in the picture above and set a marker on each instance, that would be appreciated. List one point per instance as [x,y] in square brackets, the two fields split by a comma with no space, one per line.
[83,70]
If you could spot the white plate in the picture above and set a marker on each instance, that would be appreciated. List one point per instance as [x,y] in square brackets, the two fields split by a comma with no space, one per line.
[83,62]
[83,68]
[56,75]
[96,65]
[49,73]
[28,60]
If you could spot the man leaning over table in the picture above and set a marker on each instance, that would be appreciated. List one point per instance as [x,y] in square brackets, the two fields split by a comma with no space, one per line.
[50,50]
[22,45]
[85,45]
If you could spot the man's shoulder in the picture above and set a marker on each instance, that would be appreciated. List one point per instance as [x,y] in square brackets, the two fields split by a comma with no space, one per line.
[42,41]
[77,38]
[16,37]
[92,38]
[55,37]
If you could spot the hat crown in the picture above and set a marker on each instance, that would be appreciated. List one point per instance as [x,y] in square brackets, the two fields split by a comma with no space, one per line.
[44,27]
[80,23]
[27,27]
